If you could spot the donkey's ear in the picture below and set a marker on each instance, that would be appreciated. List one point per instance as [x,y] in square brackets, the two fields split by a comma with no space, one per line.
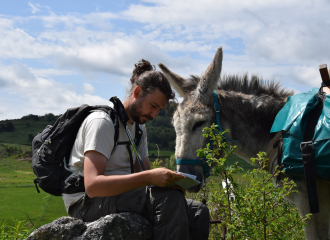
[209,80]
[176,81]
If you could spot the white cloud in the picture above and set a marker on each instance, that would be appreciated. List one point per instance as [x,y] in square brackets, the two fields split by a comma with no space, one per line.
[307,75]
[88,88]
[34,7]
[98,19]
[84,50]
[17,44]
[49,72]
[291,31]
[285,40]
[38,95]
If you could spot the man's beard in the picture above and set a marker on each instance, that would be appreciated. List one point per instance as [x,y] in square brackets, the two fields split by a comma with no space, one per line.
[136,113]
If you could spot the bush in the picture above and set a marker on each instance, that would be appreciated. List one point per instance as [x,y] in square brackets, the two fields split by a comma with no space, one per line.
[8,127]
[170,163]
[31,117]
[30,137]
[255,211]
[18,230]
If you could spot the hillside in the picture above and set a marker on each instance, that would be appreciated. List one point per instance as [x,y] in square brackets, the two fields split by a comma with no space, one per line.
[21,131]
[160,132]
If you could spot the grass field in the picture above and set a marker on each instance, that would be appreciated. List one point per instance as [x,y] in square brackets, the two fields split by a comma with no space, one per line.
[21,201]
[20,198]
[163,154]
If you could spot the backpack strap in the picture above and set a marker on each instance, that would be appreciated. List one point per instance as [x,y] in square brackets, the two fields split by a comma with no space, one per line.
[308,157]
[128,147]
[122,116]
[138,134]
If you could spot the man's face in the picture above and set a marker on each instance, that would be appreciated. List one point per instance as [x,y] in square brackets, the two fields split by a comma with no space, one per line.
[147,108]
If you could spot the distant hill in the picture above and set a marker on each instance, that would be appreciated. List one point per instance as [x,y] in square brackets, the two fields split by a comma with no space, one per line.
[21,131]
[160,131]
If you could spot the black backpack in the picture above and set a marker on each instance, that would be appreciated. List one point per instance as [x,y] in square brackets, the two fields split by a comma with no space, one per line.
[52,149]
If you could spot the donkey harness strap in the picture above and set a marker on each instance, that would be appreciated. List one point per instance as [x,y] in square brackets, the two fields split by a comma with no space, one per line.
[217,114]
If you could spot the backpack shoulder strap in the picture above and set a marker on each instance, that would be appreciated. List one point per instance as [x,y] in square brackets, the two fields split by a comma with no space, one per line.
[122,116]
[138,134]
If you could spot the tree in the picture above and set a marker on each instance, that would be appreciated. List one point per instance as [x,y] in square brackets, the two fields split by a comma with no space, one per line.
[9,127]
[31,117]
[30,136]
[171,146]
[50,117]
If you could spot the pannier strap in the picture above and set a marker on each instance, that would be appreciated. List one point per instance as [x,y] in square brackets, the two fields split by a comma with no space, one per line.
[308,157]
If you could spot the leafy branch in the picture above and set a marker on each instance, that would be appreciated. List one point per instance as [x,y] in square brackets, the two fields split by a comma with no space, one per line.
[258,210]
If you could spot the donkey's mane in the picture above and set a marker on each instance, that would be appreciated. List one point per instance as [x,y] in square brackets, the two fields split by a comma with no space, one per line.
[255,86]
[242,84]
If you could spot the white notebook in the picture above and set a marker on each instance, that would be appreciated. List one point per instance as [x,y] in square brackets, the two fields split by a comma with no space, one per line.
[188,182]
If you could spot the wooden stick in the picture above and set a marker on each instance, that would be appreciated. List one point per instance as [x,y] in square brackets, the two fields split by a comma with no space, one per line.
[324,72]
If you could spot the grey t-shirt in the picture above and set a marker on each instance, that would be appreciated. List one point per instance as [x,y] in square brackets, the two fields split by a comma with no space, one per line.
[97,134]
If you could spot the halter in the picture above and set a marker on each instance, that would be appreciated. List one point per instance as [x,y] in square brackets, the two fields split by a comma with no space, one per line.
[201,162]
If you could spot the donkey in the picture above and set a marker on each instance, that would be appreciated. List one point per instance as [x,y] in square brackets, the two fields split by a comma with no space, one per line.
[248,108]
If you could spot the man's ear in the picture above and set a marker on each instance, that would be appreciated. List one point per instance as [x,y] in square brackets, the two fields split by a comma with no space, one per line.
[137,91]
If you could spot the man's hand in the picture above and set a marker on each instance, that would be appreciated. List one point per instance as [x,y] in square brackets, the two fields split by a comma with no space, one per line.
[161,177]
[99,185]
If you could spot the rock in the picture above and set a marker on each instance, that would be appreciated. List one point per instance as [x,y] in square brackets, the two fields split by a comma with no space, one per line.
[62,228]
[128,226]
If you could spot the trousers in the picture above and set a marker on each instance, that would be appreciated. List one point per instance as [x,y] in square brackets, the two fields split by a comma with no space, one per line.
[171,214]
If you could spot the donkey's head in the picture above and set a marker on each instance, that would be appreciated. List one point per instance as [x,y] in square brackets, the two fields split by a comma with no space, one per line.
[193,114]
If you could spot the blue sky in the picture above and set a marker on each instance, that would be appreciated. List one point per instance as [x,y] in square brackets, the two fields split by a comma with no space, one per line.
[60,54]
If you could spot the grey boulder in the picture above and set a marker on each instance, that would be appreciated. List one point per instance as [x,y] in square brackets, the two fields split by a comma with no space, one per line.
[128,226]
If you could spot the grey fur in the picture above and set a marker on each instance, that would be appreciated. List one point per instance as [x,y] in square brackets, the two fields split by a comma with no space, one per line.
[248,108]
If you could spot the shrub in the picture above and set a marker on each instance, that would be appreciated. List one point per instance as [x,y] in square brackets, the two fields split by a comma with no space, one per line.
[257,210]
[18,230]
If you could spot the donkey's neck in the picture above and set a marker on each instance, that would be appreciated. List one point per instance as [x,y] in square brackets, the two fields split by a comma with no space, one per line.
[249,119]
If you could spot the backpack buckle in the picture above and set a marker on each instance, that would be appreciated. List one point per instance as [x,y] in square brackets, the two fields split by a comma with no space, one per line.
[302,144]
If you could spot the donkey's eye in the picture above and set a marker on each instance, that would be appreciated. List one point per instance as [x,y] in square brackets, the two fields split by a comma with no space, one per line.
[198,124]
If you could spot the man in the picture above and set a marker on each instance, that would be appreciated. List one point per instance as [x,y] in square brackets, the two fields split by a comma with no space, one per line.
[110,186]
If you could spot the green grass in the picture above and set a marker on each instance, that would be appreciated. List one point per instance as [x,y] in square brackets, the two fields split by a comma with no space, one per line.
[163,154]
[41,208]
[232,159]
[20,197]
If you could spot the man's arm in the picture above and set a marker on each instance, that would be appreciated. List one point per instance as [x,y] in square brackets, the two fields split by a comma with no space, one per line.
[99,185]
[146,163]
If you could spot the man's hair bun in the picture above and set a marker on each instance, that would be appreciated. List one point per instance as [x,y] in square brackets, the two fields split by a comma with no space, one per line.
[141,67]
[146,76]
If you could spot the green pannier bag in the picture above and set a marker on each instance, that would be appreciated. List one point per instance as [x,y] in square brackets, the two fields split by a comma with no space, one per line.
[291,120]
